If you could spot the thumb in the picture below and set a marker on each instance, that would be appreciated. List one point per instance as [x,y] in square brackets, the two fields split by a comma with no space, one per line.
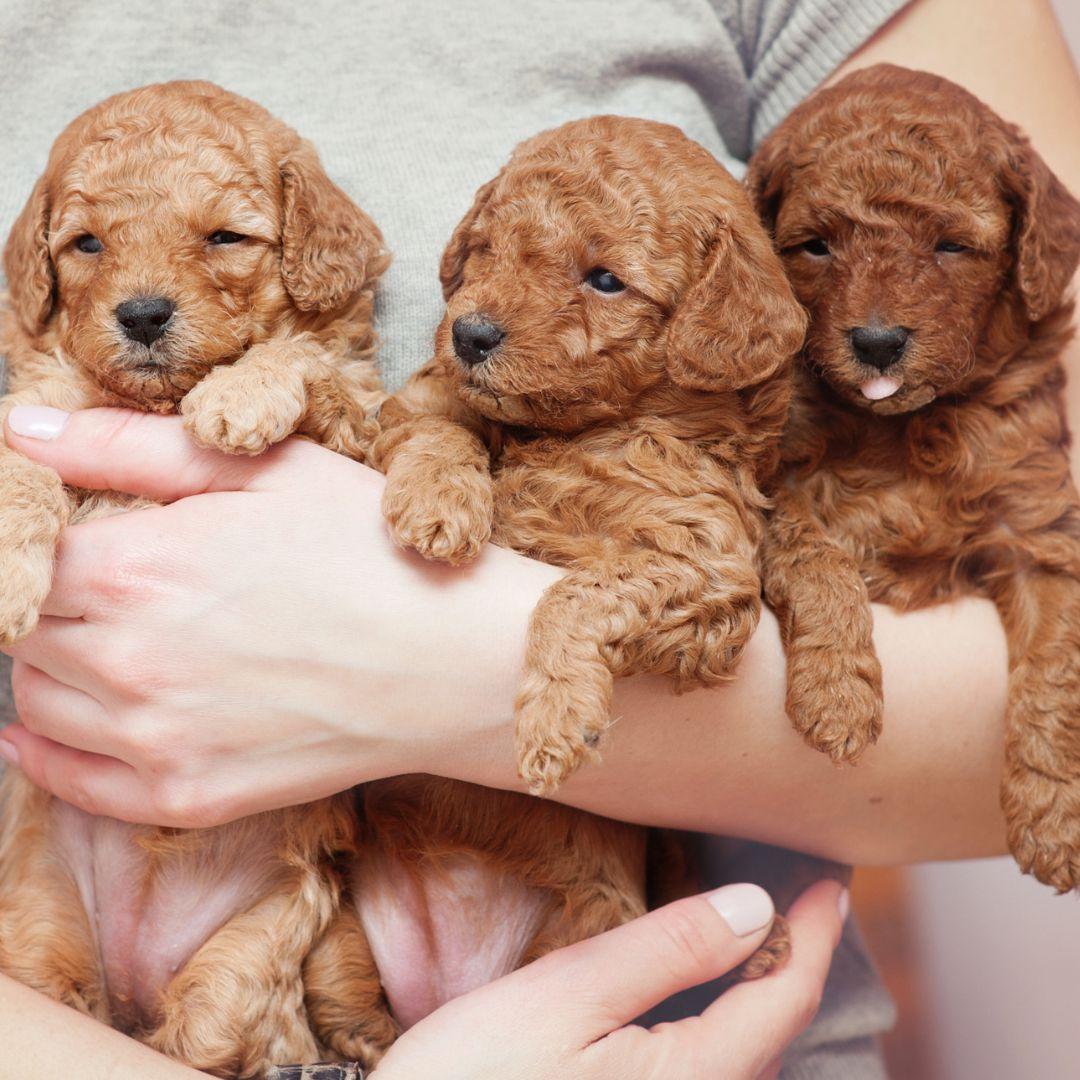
[626,971]
[134,452]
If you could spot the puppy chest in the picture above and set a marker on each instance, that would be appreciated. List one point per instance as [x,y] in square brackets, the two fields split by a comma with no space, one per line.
[567,507]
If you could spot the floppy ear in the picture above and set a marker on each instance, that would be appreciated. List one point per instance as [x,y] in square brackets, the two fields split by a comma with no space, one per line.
[1047,229]
[330,249]
[765,177]
[457,251]
[27,265]
[740,323]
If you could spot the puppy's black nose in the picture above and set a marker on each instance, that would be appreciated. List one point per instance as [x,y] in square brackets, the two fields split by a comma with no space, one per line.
[144,319]
[879,346]
[476,338]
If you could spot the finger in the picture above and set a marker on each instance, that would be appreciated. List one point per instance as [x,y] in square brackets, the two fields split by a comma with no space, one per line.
[61,647]
[755,1021]
[621,974]
[58,712]
[139,453]
[96,784]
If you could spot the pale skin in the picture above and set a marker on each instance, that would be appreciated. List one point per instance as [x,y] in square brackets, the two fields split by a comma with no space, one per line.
[177,600]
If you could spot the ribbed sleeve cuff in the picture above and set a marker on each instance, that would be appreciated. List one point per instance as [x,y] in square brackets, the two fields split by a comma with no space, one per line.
[814,42]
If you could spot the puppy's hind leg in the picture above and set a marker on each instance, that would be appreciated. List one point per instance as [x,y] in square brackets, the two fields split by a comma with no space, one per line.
[1040,792]
[834,696]
[597,868]
[45,937]
[237,1007]
[345,998]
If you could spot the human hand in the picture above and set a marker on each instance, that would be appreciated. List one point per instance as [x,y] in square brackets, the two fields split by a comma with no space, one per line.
[580,1001]
[257,643]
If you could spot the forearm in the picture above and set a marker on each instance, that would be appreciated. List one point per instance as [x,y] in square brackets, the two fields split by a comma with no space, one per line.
[43,1040]
[728,760]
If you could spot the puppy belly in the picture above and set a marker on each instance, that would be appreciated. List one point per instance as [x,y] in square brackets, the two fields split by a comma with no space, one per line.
[441,929]
[149,913]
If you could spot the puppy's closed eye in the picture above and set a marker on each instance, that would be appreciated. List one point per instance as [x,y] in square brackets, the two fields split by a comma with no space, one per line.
[815,246]
[224,236]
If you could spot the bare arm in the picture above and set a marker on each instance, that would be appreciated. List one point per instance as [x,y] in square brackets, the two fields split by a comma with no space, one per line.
[43,1040]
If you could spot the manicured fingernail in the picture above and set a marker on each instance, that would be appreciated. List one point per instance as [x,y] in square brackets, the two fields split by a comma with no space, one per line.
[37,421]
[9,752]
[745,908]
[843,902]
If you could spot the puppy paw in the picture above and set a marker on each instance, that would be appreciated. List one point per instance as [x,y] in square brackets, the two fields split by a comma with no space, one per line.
[773,954]
[26,571]
[559,726]
[446,517]
[834,702]
[20,602]
[1044,830]
[241,410]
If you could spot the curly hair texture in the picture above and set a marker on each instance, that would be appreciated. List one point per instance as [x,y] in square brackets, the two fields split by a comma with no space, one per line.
[926,456]
[610,383]
[183,251]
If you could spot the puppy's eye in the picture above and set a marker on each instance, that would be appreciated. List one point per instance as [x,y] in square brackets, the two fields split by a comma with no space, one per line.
[816,247]
[603,281]
[951,247]
[90,244]
[223,236]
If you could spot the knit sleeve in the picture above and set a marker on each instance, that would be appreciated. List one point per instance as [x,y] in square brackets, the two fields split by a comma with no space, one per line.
[790,46]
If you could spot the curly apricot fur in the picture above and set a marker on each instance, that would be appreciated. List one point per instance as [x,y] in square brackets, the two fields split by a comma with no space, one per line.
[272,336]
[958,482]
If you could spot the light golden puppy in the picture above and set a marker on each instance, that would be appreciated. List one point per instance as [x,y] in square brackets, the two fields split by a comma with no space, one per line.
[183,251]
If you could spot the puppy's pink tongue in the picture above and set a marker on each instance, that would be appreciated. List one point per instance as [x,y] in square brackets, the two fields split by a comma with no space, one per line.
[880,388]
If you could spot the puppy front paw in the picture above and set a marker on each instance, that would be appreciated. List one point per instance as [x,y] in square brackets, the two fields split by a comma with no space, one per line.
[22,593]
[834,701]
[26,572]
[559,725]
[1043,819]
[240,409]
[446,517]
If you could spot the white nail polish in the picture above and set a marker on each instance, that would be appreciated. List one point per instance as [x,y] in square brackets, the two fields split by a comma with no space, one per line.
[744,907]
[37,421]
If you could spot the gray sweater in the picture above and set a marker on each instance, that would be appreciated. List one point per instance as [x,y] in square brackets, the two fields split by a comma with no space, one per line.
[413,104]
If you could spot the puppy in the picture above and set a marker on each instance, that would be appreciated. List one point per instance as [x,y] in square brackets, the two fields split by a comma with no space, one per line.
[926,457]
[610,381]
[608,391]
[183,251]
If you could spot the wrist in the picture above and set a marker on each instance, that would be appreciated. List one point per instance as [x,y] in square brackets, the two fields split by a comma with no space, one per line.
[448,702]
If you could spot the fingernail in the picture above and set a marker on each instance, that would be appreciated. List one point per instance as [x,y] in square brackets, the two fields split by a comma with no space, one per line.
[843,902]
[37,421]
[745,908]
[9,752]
